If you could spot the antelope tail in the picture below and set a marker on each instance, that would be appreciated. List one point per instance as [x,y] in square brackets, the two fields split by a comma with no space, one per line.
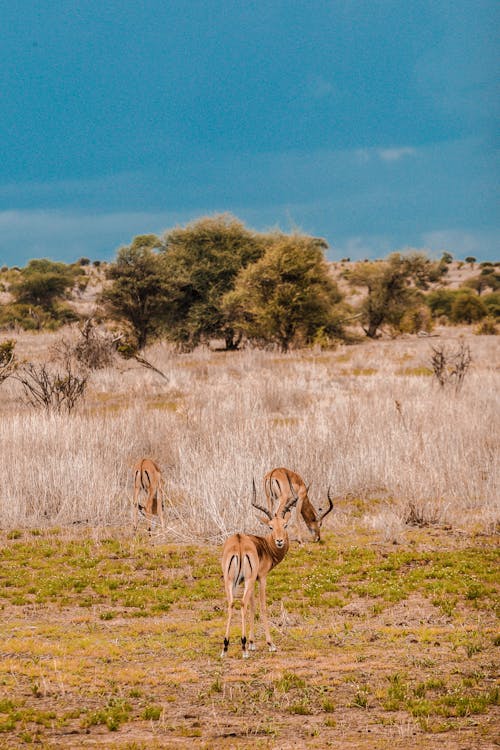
[238,569]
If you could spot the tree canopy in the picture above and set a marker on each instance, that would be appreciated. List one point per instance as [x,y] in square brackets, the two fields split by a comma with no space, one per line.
[43,282]
[200,263]
[136,296]
[393,287]
[288,296]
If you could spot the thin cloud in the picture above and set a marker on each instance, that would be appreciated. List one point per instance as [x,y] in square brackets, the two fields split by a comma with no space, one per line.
[481,244]
[67,235]
[321,87]
[395,154]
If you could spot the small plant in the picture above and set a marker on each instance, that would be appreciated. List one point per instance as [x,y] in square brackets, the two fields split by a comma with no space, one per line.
[451,367]
[361,698]
[328,706]
[115,713]
[487,327]
[152,713]
[300,709]
[95,349]
[53,391]
[288,681]
[8,362]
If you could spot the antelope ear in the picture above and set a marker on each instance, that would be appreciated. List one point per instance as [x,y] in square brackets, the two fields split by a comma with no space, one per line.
[263,519]
[286,518]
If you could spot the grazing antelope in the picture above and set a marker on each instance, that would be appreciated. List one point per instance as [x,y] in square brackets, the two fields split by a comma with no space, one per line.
[278,482]
[148,478]
[247,559]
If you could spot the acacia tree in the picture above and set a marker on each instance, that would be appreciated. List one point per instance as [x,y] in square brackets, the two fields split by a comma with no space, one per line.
[288,296]
[136,297]
[393,287]
[43,282]
[200,263]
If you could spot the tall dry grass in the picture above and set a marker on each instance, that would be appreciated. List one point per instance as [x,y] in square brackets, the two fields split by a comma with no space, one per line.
[366,420]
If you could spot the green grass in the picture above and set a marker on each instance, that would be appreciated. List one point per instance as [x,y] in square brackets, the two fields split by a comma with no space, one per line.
[102,635]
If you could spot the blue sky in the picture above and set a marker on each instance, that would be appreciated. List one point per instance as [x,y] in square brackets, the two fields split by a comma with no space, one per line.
[372,124]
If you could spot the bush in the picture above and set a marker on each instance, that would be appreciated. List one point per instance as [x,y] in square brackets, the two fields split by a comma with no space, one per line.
[467,308]
[8,362]
[27,317]
[492,304]
[487,327]
[53,390]
[450,367]
[43,282]
[93,350]
[416,319]
[440,302]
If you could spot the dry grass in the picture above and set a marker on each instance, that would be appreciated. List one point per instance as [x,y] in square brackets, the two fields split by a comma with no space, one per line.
[111,639]
[367,420]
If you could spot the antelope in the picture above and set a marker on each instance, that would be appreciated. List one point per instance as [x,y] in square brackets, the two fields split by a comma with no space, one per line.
[277,483]
[148,478]
[247,559]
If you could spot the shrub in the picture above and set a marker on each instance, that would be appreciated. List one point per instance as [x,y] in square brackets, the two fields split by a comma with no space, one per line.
[487,327]
[450,367]
[440,302]
[467,308]
[416,319]
[27,317]
[492,303]
[7,359]
[50,389]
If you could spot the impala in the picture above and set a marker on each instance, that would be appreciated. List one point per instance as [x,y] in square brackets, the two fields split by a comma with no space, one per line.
[278,482]
[247,559]
[148,478]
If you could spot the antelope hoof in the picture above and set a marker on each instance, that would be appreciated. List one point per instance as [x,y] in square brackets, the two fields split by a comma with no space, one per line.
[272,647]
[252,646]
[245,654]
[223,653]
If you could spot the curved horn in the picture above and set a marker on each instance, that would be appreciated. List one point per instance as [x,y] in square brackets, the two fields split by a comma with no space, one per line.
[256,505]
[291,502]
[330,506]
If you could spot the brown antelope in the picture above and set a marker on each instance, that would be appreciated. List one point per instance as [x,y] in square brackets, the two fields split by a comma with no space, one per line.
[148,478]
[247,559]
[278,482]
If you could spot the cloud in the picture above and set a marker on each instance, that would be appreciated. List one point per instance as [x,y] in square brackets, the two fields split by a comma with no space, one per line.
[482,243]
[366,155]
[66,235]
[320,88]
[395,154]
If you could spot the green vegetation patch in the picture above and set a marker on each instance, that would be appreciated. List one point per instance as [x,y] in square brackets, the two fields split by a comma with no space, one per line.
[123,635]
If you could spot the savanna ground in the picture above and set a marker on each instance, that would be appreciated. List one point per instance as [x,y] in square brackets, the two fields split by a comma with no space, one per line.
[387,631]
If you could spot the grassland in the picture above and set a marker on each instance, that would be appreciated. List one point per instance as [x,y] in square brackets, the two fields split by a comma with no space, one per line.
[369,421]
[387,632]
[111,641]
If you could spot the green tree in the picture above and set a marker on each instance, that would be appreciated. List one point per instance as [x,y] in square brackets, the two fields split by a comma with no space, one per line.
[393,287]
[440,302]
[287,297]
[200,262]
[44,282]
[467,307]
[487,279]
[492,302]
[137,297]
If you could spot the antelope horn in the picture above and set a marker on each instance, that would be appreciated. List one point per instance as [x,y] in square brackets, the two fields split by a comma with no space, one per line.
[330,506]
[256,505]
[291,502]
